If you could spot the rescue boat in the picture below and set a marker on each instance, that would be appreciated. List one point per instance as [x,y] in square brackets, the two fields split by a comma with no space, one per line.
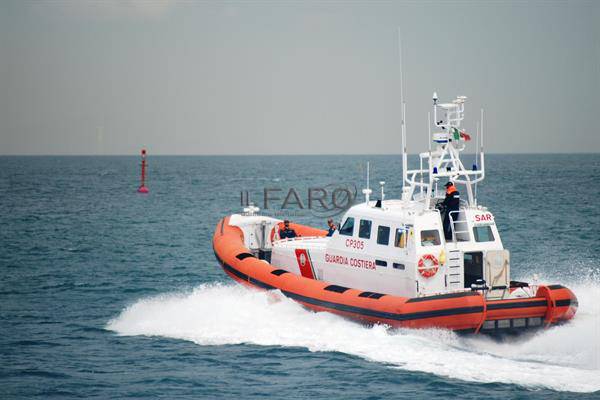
[403,262]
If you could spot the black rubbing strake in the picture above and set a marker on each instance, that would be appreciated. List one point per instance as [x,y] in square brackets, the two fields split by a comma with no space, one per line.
[522,304]
[566,302]
[234,271]
[441,297]
[258,283]
[383,314]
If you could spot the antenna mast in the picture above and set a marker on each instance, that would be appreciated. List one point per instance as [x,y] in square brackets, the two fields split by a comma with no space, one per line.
[443,161]
[368,190]
[402,115]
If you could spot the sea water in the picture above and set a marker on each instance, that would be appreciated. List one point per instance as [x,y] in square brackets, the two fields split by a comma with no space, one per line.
[108,293]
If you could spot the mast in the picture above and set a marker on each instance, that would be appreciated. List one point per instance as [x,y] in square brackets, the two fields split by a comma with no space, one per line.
[443,160]
[402,115]
[367,192]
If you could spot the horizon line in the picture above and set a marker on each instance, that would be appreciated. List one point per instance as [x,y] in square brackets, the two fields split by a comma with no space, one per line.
[271,155]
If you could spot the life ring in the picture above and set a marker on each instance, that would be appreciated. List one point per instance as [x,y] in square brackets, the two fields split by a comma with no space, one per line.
[428,265]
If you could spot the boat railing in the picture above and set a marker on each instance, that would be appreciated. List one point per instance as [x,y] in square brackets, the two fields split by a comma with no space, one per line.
[451,215]
[296,239]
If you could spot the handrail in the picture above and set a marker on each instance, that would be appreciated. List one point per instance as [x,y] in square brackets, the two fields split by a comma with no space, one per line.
[298,238]
[452,222]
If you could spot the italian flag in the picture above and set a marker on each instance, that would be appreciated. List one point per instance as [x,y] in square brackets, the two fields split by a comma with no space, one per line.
[460,135]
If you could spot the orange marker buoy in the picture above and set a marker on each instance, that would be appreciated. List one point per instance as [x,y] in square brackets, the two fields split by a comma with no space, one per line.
[143,188]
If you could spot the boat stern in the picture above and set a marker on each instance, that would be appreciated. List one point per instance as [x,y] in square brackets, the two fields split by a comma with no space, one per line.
[562,303]
[551,305]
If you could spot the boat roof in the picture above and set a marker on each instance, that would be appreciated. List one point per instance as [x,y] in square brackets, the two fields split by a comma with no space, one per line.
[391,209]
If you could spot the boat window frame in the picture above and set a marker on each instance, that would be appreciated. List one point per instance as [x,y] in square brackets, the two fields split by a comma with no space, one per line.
[437,239]
[398,240]
[387,235]
[341,230]
[360,228]
[490,233]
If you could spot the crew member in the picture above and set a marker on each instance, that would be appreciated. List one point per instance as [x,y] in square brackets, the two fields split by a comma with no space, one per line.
[332,227]
[450,204]
[287,232]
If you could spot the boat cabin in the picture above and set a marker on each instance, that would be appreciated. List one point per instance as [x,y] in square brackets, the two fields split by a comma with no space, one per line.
[398,246]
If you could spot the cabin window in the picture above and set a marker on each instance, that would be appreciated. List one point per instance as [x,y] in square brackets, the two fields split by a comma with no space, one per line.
[430,237]
[348,227]
[364,230]
[483,233]
[400,240]
[383,235]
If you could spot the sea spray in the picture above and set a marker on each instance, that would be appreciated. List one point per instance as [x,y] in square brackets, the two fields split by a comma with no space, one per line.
[564,358]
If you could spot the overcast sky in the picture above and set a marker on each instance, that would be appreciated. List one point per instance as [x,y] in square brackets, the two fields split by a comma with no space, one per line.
[109,77]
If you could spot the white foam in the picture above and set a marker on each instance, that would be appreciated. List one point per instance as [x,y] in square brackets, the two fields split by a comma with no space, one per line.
[565,358]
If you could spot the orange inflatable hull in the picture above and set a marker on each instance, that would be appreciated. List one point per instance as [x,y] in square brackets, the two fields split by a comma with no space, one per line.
[464,311]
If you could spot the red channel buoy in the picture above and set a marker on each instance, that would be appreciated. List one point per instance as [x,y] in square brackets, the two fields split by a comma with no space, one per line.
[143,188]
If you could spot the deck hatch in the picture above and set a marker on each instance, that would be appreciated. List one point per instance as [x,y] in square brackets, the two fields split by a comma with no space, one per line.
[371,295]
[336,288]
[279,272]
[243,256]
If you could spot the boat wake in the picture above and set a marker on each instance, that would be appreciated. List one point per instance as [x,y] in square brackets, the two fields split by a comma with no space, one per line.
[564,358]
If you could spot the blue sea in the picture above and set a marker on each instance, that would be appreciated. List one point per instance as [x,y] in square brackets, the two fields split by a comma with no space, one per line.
[107,293]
